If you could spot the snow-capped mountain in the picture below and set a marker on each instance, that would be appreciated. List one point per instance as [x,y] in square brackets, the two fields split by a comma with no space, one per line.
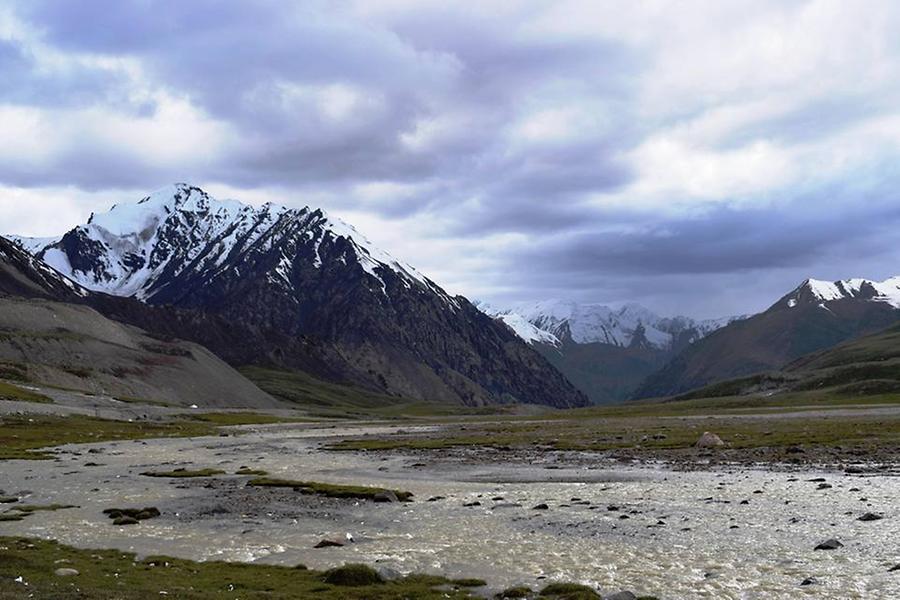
[556,321]
[820,292]
[814,316]
[606,352]
[179,232]
[299,289]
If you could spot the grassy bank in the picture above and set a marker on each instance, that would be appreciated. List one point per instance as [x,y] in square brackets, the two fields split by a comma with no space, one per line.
[9,391]
[21,437]
[106,574]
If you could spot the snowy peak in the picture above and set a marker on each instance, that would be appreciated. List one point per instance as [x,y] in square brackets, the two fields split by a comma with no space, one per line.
[627,326]
[818,292]
[180,232]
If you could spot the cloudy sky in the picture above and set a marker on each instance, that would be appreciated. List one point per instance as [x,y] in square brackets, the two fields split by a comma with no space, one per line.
[697,157]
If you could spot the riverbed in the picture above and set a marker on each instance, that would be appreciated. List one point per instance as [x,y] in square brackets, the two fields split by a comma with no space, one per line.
[736,533]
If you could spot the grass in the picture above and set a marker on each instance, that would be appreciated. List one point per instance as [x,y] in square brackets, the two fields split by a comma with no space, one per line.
[9,391]
[253,472]
[107,574]
[328,489]
[184,473]
[20,511]
[651,433]
[330,400]
[21,437]
[226,419]
[569,591]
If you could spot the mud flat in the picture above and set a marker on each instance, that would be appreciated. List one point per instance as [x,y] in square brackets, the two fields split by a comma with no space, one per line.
[729,532]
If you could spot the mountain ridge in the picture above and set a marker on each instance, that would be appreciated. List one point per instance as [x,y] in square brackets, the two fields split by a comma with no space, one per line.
[303,290]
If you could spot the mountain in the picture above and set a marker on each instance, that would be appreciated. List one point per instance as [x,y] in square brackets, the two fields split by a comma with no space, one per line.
[815,316]
[605,352]
[23,275]
[300,289]
[48,336]
[866,366]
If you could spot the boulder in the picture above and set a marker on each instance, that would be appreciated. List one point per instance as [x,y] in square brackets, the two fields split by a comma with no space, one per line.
[621,596]
[541,507]
[65,572]
[125,520]
[831,544]
[385,496]
[709,440]
[329,544]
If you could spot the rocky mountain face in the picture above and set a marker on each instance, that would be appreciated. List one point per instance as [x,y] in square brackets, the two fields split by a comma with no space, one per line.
[815,316]
[607,353]
[297,288]
[23,275]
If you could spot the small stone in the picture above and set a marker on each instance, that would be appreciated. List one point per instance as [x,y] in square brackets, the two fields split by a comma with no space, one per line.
[541,507]
[435,498]
[894,569]
[65,572]
[471,504]
[870,517]
[831,544]
[824,486]
[809,581]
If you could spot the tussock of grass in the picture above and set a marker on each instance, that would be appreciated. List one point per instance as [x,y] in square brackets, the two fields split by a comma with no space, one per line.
[9,391]
[353,576]
[569,591]
[105,574]
[184,473]
[20,437]
[520,591]
[328,489]
[30,508]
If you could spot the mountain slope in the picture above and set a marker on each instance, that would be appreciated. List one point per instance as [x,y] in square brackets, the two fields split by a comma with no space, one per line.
[298,288]
[814,316]
[48,336]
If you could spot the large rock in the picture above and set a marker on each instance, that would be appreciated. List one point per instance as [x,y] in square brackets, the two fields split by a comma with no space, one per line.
[385,496]
[64,572]
[709,440]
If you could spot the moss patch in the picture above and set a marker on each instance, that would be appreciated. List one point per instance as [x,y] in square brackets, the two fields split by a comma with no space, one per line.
[569,591]
[328,489]
[184,473]
[105,574]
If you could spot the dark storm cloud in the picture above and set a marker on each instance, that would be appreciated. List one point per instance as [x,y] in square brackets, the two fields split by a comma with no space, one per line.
[831,225]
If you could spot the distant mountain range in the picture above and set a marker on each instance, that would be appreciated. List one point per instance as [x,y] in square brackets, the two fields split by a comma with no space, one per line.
[297,289]
[605,352]
[631,352]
